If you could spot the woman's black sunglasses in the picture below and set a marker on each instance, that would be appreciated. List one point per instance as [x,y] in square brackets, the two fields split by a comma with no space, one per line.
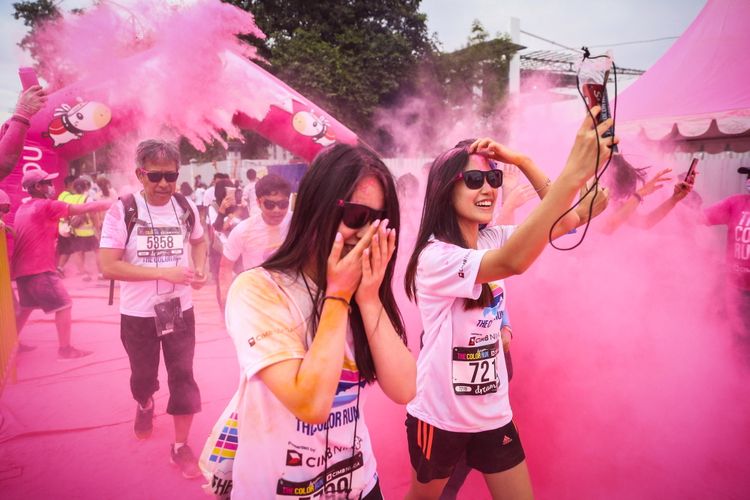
[355,215]
[158,176]
[474,179]
[270,204]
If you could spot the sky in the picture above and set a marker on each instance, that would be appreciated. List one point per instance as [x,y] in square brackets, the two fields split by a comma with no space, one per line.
[572,23]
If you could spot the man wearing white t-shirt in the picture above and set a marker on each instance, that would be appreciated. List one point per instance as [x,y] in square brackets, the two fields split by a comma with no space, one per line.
[256,238]
[248,192]
[158,252]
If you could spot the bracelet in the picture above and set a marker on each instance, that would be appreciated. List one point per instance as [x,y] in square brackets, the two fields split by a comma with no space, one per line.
[546,184]
[342,299]
[21,119]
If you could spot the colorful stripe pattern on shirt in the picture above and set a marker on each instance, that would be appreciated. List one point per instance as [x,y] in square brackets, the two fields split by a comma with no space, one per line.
[226,445]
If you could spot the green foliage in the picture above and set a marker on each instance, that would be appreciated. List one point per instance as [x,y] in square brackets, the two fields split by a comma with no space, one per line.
[348,57]
[33,12]
[480,70]
[478,33]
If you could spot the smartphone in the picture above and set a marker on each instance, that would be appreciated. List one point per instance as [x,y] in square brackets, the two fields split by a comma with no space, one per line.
[595,94]
[693,164]
[28,77]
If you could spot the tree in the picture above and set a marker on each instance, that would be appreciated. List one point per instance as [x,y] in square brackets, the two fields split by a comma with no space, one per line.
[348,57]
[33,13]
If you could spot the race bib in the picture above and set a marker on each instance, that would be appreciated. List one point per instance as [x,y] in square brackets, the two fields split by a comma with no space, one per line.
[333,482]
[159,241]
[474,369]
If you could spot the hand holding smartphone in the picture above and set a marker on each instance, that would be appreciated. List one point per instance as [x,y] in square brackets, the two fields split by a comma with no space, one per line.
[28,77]
[693,164]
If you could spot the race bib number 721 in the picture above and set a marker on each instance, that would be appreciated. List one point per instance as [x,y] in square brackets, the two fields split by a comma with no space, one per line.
[475,369]
[159,241]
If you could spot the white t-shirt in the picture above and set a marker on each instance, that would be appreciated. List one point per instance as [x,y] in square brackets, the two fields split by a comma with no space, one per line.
[255,241]
[158,239]
[248,194]
[209,199]
[279,456]
[198,195]
[462,383]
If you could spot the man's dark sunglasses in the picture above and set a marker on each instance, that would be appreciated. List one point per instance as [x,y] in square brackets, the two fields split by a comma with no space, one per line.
[474,179]
[270,204]
[4,209]
[158,176]
[355,215]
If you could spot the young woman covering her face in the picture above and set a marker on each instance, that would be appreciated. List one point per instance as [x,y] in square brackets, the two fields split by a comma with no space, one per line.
[312,327]
[462,404]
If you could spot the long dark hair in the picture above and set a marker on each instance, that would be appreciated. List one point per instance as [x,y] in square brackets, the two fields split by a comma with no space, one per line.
[439,218]
[626,177]
[332,176]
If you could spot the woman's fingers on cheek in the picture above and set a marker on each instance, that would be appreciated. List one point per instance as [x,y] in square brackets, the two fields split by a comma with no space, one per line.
[366,269]
[384,241]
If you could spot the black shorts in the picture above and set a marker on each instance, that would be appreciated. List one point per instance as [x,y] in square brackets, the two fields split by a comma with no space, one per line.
[85,244]
[66,245]
[434,452]
[43,291]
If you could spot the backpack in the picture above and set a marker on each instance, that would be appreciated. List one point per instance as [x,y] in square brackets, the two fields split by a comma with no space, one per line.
[131,217]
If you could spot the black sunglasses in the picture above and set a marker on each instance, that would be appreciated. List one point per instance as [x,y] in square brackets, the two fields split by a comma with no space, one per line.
[355,216]
[158,176]
[270,204]
[4,209]
[474,179]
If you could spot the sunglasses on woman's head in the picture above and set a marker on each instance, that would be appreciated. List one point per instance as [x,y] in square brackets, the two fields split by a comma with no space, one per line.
[158,176]
[270,204]
[474,179]
[355,216]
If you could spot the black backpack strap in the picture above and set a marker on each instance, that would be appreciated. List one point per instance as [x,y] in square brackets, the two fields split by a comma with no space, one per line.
[188,217]
[130,210]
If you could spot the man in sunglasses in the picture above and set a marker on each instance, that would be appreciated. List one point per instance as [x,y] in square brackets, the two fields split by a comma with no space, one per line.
[34,261]
[256,238]
[158,253]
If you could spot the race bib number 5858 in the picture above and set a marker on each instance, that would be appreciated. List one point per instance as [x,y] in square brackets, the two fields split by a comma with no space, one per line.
[475,369]
[159,241]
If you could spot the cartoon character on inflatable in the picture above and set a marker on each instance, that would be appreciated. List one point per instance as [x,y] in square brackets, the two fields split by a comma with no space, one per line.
[306,123]
[71,123]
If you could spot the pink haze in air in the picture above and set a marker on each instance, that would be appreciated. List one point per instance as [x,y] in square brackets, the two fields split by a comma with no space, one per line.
[627,383]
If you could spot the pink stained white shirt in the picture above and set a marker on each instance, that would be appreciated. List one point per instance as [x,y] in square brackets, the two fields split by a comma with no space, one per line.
[255,241]
[36,236]
[734,212]
[462,382]
[158,239]
[268,316]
